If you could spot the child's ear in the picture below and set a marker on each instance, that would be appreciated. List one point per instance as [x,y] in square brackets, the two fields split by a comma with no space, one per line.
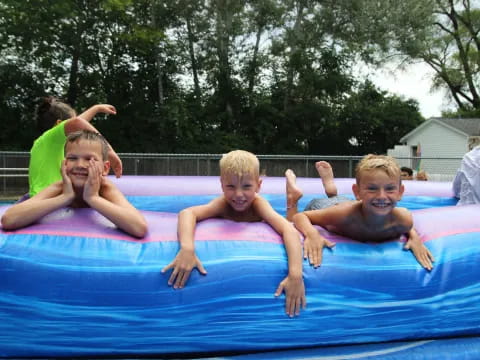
[106,168]
[259,184]
[356,191]
[400,192]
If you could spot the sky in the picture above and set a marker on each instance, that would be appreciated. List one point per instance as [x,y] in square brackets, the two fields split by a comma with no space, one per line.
[412,82]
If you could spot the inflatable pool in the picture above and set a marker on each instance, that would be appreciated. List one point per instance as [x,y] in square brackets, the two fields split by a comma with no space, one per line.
[73,285]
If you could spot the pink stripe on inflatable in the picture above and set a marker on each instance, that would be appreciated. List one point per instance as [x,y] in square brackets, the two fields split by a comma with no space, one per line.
[100,235]
[88,223]
[449,233]
[449,220]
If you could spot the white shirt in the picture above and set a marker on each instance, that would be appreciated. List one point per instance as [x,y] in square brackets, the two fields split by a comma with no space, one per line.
[466,185]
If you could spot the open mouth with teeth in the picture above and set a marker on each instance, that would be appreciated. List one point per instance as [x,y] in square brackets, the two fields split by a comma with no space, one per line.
[79,173]
[240,203]
[381,205]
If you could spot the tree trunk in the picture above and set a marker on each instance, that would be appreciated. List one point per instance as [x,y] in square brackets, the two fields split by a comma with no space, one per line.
[224,83]
[193,60]
[158,61]
[293,52]
[72,92]
[252,72]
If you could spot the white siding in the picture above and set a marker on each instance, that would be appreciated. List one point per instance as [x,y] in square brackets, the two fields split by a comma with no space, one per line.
[439,141]
[403,154]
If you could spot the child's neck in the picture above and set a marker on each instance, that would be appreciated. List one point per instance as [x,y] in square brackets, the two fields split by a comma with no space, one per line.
[78,201]
[374,220]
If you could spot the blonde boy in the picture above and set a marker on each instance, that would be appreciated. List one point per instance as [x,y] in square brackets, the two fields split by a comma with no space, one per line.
[240,181]
[373,216]
[83,184]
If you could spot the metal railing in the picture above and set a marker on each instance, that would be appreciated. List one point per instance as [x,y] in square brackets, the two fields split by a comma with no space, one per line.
[14,166]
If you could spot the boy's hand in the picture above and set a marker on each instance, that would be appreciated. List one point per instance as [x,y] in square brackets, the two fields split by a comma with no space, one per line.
[115,163]
[420,251]
[106,109]
[294,295]
[94,180]
[183,265]
[313,248]
[67,190]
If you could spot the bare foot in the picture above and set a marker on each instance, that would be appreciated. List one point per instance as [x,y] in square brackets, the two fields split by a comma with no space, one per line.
[294,193]
[326,173]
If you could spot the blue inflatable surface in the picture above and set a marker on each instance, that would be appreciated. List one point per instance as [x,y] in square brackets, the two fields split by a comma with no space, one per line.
[73,285]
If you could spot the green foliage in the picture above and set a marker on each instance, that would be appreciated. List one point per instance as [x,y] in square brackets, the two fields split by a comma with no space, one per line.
[373,121]
[267,76]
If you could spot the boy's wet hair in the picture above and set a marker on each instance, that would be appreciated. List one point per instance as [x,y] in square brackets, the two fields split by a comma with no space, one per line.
[89,136]
[239,163]
[49,109]
[378,162]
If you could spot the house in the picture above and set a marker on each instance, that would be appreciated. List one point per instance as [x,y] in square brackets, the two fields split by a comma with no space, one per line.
[438,145]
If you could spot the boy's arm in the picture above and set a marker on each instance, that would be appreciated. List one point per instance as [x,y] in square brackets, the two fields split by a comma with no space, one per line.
[90,113]
[51,198]
[313,243]
[292,284]
[102,195]
[405,219]
[419,250]
[186,259]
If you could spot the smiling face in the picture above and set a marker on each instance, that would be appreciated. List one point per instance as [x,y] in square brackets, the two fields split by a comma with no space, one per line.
[240,191]
[378,191]
[77,160]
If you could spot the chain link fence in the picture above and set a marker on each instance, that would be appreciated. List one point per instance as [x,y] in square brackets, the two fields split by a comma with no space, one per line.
[14,166]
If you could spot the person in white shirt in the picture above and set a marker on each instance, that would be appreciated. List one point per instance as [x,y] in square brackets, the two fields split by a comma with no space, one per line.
[466,185]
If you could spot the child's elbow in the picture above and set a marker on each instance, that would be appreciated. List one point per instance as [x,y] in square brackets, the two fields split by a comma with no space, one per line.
[296,217]
[8,222]
[140,230]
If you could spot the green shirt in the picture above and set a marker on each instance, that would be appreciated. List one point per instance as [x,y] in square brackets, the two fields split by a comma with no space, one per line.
[46,158]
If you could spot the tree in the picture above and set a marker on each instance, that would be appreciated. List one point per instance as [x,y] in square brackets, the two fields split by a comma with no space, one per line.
[373,121]
[445,35]
[269,76]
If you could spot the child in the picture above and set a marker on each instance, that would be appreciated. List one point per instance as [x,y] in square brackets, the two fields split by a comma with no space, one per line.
[422,176]
[372,217]
[406,173]
[83,184]
[55,120]
[240,181]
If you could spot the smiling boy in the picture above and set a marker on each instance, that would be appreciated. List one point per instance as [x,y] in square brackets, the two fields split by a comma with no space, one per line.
[240,182]
[83,184]
[373,216]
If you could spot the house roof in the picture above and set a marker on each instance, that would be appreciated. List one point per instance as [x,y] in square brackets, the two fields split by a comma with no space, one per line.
[467,127]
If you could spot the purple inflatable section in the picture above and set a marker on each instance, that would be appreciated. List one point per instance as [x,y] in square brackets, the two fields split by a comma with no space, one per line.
[162,227]
[210,185]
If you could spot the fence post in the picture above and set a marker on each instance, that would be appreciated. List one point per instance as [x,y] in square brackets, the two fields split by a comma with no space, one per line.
[4,165]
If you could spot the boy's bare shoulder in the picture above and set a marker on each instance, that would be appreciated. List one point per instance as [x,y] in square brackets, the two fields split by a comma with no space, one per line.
[403,216]
[215,208]
[110,191]
[347,208]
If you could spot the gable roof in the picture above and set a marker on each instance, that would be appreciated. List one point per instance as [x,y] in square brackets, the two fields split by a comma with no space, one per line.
[467,127]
